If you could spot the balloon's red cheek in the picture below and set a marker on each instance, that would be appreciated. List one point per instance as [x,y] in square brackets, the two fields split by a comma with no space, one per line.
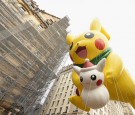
[99,43]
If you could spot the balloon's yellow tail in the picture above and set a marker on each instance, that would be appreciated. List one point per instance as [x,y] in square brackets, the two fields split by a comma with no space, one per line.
[133,103]
[77,101]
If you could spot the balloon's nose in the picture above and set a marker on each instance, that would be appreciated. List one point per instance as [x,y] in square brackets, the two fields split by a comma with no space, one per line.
[99,82]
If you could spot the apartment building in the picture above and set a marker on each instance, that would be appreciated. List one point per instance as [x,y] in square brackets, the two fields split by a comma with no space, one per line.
[57,102]
[31,49]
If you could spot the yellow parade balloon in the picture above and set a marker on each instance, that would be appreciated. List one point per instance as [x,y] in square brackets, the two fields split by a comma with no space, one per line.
[94,46]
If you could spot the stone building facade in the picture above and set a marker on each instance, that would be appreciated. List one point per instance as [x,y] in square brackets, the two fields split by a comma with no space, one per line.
[32,45]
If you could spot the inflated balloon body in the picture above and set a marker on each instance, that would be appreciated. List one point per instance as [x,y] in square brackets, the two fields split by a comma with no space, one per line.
[94,94]
[94,46]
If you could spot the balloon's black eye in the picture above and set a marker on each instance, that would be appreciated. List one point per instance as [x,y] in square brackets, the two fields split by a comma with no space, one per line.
[81,78]
[71,46]
[93,77]
[89,35]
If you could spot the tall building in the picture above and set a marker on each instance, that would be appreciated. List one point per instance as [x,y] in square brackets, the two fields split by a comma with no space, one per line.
[32,45]
[57,101]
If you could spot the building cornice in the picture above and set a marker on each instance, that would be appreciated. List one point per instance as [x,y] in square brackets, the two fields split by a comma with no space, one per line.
[42,11]
[36,11]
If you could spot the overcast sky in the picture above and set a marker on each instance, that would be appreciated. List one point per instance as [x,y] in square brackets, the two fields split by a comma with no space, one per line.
[117,17]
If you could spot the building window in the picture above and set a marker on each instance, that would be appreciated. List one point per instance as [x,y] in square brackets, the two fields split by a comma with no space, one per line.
[63,101]
[49,21]
[60,84]
[101,112]
[67,87]
[58,102]
[65,94]
[49,111]
[60,95]
[39,27]
[53,103]
[69,82]
[66,109]
[60,109]
[72,86]
[55,110]
[58,90]
[46,23]
[31,22]
[22,10]
[38,54]
[70,93]
[62,89]
[66,77]
[10,44]
[55,96]
[105,108]
[30,48]
[22,69]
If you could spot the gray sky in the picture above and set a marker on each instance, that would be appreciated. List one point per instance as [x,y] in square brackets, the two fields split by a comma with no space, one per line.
[117,17]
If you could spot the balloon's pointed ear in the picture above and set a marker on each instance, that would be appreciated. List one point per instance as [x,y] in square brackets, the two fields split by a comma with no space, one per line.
[77,69]
[95,25]
[69,39]
[101,65]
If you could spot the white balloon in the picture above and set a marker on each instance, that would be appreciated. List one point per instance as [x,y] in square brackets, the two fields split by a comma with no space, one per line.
[95,95]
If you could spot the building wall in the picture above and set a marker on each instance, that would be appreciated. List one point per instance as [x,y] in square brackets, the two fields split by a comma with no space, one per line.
[28,56]
[57,101]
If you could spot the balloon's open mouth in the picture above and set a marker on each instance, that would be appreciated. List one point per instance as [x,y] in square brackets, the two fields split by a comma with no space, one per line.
[81,52]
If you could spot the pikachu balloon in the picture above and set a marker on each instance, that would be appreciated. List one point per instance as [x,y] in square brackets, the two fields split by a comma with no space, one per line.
[93,45]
